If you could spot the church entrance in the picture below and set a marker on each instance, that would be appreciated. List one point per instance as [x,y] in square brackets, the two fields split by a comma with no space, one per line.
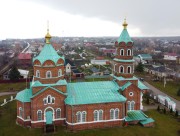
[49,117]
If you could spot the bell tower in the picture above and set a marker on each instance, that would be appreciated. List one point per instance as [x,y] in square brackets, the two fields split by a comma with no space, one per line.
[123,61]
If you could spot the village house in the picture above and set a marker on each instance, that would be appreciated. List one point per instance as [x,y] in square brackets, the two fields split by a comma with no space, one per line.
[51,100]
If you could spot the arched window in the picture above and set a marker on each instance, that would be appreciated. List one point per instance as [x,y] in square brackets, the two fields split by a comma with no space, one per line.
[20,112]
[49,99]
[48,74]
[52,100]
[37,73]
[129,105]
[83,116]
[112,114]
[39,115]
[100,114]
[129,52]
[60,72]
[129,69]
[58,113]
[96,115]
[121,69]
[132,105]
[45,101]
[78,116]
[116,113]
[115,67]
[122,52]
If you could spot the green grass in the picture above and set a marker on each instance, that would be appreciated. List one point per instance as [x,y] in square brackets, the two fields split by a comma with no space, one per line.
[165,125]
[171,88]
[5,87]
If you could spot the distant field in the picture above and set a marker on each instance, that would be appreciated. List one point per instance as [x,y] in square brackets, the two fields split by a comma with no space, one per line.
[165,125]
[5,87]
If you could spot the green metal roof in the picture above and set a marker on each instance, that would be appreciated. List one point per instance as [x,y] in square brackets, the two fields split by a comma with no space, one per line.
[60,82]
[141,85]
[126,85]
[122,78]
[48,53]
[46,89]
[93,92]
[24,95]
[148,120]
[124,37]
[135,115]
[145,56]
[122,60]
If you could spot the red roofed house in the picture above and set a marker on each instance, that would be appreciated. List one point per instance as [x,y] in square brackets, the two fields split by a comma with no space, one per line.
[24,59]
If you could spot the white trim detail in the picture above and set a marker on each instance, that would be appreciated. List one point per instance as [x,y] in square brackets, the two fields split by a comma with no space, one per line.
[23,119]
[94,121]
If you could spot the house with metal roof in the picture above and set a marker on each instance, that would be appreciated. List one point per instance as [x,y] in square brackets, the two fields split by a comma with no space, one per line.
[52,101]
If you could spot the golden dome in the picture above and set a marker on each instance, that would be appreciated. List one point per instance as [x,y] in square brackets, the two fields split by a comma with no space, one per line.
[125,24]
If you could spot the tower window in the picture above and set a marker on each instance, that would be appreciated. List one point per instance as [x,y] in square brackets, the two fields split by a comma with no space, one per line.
[60,72]
[48,74]
[129,52]
[129,69]
[121,69]
[37,73]
[122,52]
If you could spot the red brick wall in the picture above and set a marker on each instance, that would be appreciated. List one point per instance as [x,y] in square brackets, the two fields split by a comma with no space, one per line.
[136,96]
[38,104]
[72,110]
[26,109]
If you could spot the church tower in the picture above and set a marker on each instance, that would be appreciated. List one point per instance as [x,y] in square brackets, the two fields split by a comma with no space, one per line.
[48,65]
[123,61]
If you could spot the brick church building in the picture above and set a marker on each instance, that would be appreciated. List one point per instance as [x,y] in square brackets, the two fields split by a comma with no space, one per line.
[51,100]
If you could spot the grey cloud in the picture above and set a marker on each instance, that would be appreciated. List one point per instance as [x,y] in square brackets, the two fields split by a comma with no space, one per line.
[153,17]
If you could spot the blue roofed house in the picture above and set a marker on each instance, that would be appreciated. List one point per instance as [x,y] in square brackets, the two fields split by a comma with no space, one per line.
[51,100]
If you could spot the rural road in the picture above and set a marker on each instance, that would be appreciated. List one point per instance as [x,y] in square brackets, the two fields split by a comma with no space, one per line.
[158,92]
[7,93]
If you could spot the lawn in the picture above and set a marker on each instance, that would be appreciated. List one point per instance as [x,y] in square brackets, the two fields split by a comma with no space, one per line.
[165,125]
[5,87]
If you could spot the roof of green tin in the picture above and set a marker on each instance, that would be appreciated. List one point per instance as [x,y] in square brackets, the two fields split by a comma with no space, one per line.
[148,120]
[126,85]
[124,37]
[135,115]
[38,83]
[123,60]
[93,92]
[141,85]
[24,95]
[48,53]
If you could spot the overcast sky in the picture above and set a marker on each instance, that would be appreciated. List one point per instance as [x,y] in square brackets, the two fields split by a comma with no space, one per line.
[28,18]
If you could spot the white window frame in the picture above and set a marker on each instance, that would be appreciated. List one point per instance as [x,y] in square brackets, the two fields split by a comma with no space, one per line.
[132,105]
[120,69]
[128,52]
[81,116]
[121,52]
[131,93]
[48,73]
[60,72]
[111,114]
[116,113]
[78,116]
[58,110]
[49,100]
[128,106]
[20,112]
[37,73]
[39,112]
[100,115]
[129,72]
[96,113]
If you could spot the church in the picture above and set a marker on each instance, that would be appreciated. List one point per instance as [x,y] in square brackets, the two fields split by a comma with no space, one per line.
[51,100]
